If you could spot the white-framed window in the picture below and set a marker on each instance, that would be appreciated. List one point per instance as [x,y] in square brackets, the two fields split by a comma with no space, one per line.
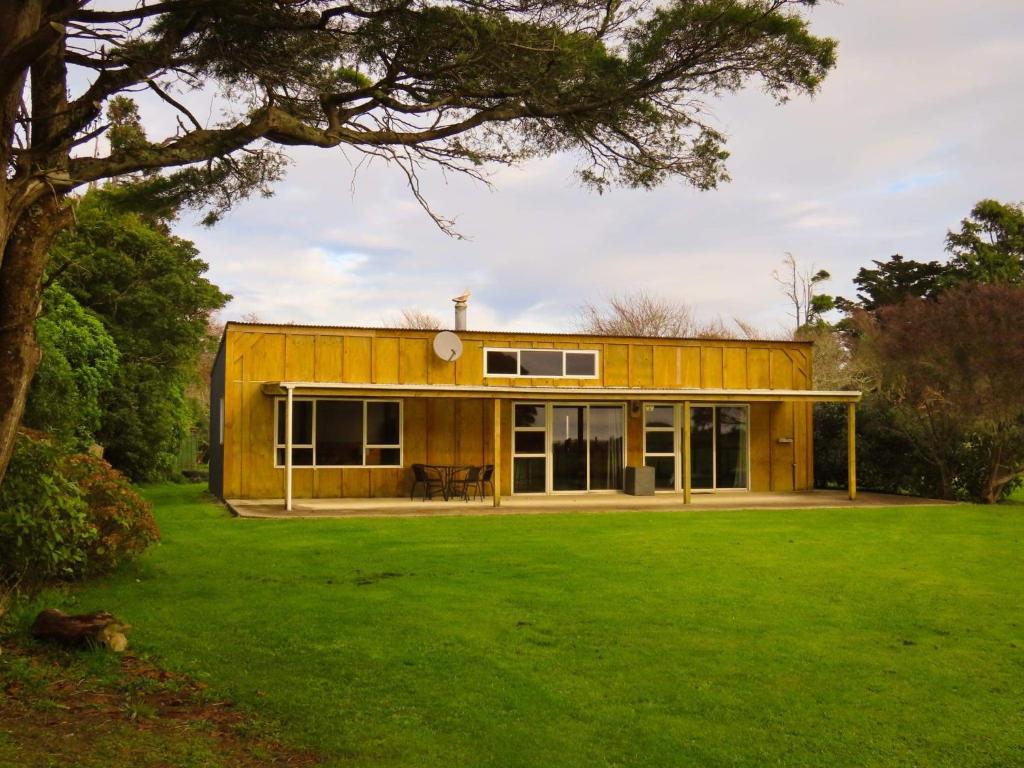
[508,362]
[660,444]
[529,447]
[340,432]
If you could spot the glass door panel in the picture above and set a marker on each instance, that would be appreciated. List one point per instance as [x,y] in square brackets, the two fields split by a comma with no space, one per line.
[702,448]
[568,448]
[528,474]
[660,444]
[607,440]
[731,447]
[529,457]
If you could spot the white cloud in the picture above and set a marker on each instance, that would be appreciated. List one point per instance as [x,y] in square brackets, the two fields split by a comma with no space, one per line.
[920,120]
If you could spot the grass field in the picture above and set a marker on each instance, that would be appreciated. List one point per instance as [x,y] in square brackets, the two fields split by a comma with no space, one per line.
[885,637]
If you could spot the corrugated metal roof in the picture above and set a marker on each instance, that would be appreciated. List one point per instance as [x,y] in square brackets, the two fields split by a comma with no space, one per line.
[557,334]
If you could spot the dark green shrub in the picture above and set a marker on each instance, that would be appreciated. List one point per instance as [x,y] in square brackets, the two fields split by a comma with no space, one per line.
[45,531]
[887,460]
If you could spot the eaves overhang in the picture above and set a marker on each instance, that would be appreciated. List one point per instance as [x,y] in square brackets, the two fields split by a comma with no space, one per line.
[535,392]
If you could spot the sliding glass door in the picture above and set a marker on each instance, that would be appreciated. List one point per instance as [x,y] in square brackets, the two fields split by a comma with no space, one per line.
[607,441]
[731,459]
[719,446]
[702,448]
[719,454]
[568,448]
[580,447]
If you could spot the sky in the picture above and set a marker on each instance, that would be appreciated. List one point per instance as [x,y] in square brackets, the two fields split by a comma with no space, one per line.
[921,119]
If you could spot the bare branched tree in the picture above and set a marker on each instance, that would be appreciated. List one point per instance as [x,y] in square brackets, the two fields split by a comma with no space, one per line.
[417,319]
[799,285]
[747,330]
[833,363]
[636,314]
[640,313]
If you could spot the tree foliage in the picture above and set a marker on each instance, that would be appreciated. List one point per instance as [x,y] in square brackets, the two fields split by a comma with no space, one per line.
[988,248]
[949,372]
[893,281]
[934,345]
[149,290]
[78,366]
[455,84]
[887,460]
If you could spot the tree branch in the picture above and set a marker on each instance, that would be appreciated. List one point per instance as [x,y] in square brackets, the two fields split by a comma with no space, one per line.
[23,55]
[133,14]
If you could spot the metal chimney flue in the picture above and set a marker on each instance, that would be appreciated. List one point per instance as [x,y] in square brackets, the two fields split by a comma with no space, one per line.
[460,311]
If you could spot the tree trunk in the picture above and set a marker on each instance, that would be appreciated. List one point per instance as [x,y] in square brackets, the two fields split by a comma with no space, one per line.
[82,631]
[21,276]
[945,480]
[32,212]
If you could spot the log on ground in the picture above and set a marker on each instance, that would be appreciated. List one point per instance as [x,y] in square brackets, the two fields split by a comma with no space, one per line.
[83,630]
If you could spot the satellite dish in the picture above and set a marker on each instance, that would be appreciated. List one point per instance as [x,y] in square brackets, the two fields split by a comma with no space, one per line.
[448,346]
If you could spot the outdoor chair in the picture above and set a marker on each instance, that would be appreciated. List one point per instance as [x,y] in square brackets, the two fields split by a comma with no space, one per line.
[486,478]
[422,475]
[471,480]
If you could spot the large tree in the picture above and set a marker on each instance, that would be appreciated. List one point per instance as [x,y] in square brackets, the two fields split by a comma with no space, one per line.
[79,363]
[150,291]
[458,84]
[989,248]
[894,281]
[949,371]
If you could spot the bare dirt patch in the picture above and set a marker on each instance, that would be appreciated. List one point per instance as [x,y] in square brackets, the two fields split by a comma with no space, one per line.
[85,710]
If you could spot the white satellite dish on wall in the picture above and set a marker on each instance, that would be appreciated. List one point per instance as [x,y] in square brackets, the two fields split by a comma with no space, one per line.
[448,346]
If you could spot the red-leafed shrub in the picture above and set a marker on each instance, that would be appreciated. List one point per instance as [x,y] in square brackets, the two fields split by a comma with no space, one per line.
[123,520]
[66,516]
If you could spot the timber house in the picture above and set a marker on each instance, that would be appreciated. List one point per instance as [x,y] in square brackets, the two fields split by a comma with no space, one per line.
[549,413]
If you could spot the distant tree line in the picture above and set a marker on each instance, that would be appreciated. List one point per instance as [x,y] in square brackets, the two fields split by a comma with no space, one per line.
[938,349]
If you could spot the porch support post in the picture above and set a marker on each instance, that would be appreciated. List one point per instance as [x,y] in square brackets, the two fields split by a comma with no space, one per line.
[687,463]
[288,449]
[496,496]
[851,449]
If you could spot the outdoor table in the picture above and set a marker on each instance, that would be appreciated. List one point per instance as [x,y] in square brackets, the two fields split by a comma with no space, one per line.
[448,473]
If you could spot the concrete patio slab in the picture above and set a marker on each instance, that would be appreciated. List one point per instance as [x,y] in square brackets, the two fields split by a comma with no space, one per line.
[567,503]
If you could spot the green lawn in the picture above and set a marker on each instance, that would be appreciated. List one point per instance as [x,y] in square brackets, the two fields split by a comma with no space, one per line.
[801,638]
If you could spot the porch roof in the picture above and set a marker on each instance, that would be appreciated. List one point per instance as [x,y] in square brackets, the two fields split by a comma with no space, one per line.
[530,392]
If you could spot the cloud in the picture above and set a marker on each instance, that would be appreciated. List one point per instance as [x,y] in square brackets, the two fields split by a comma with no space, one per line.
[920,120]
